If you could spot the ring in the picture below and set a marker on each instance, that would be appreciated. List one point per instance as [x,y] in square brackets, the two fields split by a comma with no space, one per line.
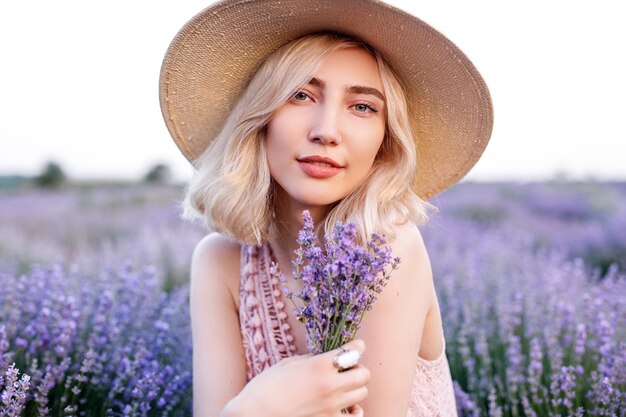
[346,359]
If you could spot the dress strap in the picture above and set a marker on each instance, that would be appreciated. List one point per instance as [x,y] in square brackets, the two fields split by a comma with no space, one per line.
[265,333]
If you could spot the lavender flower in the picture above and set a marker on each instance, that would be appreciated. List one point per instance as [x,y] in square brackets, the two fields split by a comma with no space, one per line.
[116,341]
[519,269]
[13,397]
[340,282]
[465,406]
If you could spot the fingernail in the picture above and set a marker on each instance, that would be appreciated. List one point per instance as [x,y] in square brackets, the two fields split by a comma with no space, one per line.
[360,344]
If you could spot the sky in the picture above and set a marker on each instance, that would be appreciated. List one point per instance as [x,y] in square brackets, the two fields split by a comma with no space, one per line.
[80,84]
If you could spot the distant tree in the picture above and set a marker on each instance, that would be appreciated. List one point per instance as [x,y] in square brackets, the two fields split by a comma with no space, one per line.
[158,174]
[52,176]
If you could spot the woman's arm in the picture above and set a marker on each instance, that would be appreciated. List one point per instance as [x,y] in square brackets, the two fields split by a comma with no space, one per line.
[219,367]
[299,386]
[393,329]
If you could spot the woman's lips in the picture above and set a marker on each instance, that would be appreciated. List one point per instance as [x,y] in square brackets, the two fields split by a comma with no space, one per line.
[319,169]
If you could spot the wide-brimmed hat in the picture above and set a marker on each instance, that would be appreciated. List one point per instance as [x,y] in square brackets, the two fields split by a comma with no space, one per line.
[213,57]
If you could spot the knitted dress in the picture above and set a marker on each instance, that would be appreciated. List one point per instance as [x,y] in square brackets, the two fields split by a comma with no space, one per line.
[267,338]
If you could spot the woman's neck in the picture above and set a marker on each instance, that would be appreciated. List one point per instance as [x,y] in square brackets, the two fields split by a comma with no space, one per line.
[287,223]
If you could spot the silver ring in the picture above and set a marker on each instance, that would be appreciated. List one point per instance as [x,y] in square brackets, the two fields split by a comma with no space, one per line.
[346,359]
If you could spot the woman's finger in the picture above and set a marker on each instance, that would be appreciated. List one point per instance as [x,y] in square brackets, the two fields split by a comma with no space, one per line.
[354,411]
[353,397]
[358,344]
[355,377]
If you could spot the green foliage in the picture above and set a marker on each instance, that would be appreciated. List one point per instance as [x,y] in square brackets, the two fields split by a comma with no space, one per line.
[52,176]
[159,174]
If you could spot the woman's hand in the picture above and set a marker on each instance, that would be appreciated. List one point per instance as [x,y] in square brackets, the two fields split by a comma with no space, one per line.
[305,386]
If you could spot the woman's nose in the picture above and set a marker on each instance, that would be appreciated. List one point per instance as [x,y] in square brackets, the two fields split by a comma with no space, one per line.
[325,128]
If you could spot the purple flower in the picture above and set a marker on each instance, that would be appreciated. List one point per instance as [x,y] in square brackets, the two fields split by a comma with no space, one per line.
[339,281]
[495,410]
[13,397]
[535,367]
[98,342]
[465,406]
[536,260]
[581,338]
[562,386]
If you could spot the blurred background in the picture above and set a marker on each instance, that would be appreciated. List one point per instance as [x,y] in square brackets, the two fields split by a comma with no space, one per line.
[80,85]
[528,253]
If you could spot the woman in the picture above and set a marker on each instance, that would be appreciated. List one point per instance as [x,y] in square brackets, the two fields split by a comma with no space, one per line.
[363,128]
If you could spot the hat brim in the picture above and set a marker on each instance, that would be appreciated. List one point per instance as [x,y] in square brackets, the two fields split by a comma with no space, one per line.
[212,58]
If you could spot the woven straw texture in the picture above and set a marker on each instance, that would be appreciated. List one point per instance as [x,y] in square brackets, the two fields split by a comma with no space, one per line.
[213,57]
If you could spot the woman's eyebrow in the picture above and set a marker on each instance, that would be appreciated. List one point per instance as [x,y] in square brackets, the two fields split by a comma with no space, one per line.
[359,89]
[317,83]
[355,89]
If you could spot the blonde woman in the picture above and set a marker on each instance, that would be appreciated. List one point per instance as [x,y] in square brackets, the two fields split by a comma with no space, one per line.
[355,111]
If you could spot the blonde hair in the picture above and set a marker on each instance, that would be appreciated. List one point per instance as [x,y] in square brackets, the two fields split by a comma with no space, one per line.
[232,190]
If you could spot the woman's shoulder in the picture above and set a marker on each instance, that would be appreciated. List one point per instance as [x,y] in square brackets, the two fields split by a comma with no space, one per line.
[406,237]
[215,263]
[415,268]
[217,246]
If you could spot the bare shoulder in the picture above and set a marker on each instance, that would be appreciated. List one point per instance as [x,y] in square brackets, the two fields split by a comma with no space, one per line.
[219,366]
[406,298]
[393,329]
[215,262]
[216,246]
[407,237]
[415,269]
[418,268]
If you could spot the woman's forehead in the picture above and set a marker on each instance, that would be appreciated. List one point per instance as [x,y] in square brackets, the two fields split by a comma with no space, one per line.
[351,68]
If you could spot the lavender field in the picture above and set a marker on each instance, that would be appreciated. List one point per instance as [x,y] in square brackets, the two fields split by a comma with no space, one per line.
[531,280]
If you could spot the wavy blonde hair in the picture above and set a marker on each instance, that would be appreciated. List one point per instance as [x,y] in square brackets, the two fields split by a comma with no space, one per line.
[232,190]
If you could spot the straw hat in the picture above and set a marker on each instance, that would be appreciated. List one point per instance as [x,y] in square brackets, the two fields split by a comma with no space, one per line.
[213,57]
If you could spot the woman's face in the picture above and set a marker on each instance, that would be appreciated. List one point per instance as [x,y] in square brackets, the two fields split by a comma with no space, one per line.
[322,143]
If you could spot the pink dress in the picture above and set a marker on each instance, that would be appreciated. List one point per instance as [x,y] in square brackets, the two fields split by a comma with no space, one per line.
[267,338]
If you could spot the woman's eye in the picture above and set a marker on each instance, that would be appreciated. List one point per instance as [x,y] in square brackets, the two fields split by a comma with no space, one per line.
[363,108]
[300,95]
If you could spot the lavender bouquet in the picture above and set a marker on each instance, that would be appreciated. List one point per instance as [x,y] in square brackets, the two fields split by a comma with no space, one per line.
[340,282]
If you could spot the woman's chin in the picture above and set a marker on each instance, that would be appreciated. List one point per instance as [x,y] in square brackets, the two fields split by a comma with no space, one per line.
[312,199]
[309,195]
